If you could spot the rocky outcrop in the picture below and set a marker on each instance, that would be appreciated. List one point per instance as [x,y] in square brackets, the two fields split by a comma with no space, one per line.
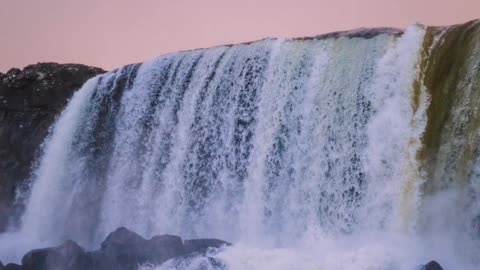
[12,266]
[124,249]
[432,265]
[121,250]
[29,101]
[69,255]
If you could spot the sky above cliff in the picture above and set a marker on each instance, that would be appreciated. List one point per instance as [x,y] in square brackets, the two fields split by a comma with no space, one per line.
[112,33]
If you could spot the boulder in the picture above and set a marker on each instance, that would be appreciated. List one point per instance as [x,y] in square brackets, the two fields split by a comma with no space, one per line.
[432,265]
[29,101]
[124,249]
[121,250]
[41,259]
[69,255]
[12,266]
[164,247]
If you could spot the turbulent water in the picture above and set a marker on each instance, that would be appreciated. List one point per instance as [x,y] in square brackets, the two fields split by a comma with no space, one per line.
[357,150]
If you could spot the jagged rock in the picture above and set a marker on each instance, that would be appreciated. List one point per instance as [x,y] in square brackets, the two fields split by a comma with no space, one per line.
[432,265]
[29,101]
[41,259]
[12,266]
[163,247]
[121,250]
[121,237]
[69,255]
[1,264]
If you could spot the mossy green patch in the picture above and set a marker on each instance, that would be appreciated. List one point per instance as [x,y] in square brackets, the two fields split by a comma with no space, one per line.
[450,70]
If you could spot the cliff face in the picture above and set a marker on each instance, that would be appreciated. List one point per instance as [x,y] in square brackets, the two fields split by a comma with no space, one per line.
[29,101]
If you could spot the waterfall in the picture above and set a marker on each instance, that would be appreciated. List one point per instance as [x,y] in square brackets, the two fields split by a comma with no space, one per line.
[357,150]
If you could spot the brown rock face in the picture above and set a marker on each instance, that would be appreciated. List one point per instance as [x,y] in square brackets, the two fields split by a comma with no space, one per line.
[29,101]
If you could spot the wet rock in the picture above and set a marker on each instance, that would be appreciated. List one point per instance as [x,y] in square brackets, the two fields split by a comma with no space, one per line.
[201,245]
[41,259]
[432,265]
[121,250]
[69,255]
[163,247]
[12,266]
[73,256]
[29,101]
[121,237]
[124,249]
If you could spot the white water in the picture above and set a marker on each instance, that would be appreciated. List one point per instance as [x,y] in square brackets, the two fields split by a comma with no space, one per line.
[301,152]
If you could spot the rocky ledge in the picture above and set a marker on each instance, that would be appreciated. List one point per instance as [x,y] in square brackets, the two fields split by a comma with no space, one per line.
[432,265]
[126,250]
[29,101]
[121,250]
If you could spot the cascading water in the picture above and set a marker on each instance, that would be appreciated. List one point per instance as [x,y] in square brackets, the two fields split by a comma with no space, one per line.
[348,151]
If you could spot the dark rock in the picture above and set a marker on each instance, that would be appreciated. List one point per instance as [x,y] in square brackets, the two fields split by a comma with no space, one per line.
[121,250]
[124,249]
[1,264]
[12,266]
[121,237]
[69,255]
[164,247]
[41,259]
[201,245]
[432,265]
[73,256]
[29,101]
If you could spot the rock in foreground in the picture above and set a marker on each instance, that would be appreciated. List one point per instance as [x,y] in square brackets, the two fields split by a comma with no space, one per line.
[12,266]
[121,250]
[432,265]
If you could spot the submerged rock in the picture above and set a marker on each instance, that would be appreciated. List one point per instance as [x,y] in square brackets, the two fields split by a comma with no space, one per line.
[432,265]
[121,250]
[29,101]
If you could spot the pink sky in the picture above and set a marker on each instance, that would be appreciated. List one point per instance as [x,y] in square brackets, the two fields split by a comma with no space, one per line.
[112,33]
